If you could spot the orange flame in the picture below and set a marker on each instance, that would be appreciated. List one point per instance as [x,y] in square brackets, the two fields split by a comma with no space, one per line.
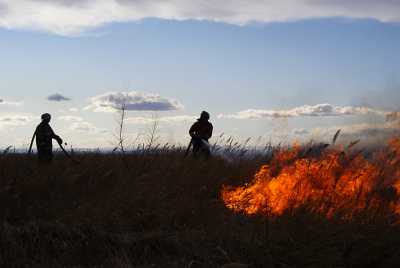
[333,183]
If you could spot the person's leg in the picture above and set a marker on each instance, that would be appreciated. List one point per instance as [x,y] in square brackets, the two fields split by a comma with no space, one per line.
[49,156]
[45,156]
[196,145]
[206,152]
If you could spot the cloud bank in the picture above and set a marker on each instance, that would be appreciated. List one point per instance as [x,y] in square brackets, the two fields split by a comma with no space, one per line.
[57,97]
[80,125]
[85,127]
[319,110]
[11,103]
[132,101]
[141,120]
[73,109]
[15,120]
[72,17]
[71,118]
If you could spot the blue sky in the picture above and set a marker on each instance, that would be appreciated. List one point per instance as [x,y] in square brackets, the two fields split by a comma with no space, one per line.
[286,70]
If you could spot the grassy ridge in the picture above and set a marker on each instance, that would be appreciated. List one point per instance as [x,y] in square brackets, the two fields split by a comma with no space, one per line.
[162,210]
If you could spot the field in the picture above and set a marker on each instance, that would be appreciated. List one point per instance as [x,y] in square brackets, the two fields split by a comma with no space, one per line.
[160,209]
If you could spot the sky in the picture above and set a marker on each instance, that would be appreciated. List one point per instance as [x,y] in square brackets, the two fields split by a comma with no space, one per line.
[271,70]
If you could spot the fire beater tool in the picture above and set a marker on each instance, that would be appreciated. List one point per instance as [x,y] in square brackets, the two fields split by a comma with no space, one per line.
[188,148]
[67,154]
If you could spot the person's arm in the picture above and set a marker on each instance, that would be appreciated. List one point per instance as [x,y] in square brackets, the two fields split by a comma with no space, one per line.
[56,137]
[210,131]
[193,130]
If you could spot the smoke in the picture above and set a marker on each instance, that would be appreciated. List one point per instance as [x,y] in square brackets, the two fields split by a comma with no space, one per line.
[140,120]
[319,110]
[387,99]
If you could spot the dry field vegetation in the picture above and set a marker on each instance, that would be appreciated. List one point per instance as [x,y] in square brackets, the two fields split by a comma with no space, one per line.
[156,208]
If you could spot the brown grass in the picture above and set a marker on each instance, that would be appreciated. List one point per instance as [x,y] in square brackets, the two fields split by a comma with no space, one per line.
[161,210]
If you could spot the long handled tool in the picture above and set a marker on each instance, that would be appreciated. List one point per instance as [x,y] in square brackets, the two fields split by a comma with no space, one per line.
[30,147]
[188,148]
[67,154]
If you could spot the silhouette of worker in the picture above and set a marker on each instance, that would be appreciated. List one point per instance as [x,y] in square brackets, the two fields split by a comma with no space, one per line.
[201,132]
[44,139]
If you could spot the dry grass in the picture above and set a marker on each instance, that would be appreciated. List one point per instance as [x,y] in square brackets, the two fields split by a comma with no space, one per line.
[161,210]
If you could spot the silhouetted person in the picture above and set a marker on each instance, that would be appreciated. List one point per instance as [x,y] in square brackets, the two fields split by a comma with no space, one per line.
[201,132]
[44,139]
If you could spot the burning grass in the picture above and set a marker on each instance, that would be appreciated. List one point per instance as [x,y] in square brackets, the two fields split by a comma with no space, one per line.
[336,183]
[159,209]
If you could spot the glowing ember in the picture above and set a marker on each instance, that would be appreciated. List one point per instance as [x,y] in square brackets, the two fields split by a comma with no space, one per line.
[333,183]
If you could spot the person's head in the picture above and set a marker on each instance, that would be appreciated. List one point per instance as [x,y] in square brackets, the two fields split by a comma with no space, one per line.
[46,117]
[204,116]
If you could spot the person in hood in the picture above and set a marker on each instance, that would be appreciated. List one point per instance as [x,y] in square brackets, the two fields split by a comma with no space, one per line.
[201,132]
[44,139]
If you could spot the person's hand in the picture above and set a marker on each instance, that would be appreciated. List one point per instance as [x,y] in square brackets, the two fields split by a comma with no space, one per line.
[59,140]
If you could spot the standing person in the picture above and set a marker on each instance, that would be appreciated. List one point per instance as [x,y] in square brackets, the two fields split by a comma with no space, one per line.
[44,139]
[201,132]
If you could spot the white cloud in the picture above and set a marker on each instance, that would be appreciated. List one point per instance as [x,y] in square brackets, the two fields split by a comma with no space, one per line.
[16,119]
[11,103]
[81,126]
[69,110]
[72,17]
[132,101]
[85,127]
[70,118]
[57,97]
[166,119]
[306,110]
